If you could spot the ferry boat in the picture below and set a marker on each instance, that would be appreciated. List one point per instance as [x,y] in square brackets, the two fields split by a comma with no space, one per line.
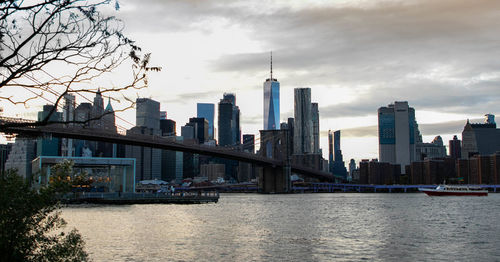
[454,190]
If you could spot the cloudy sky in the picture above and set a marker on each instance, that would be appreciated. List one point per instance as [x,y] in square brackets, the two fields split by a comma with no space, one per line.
[443,57]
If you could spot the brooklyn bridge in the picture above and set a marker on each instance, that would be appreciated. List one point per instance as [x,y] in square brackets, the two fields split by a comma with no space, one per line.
[274,177]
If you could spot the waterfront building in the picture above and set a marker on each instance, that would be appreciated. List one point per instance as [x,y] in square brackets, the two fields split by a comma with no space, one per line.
[48,146]
[207,111]
[303,126]
[107,174]
[271,102]
[480,169]
[212,171]
[229,121]
[432,171]
[379,173]
[483,139]
[363,171]
[315,125]
[398,133]
[455,148]
[248,143]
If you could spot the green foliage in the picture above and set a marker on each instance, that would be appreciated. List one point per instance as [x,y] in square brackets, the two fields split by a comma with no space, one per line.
[30,222]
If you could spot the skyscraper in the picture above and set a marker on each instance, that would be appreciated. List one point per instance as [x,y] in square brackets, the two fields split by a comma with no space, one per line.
[68,115]
[97,110]
[315,124]
[398,133]
[337,153]
[330,150]
[303,126]
[200,126]
[147,113]
[167,127]
[248,143]
[483,139]
[271,102]
[207,111]
[455,148]
[108,119]
[229,121]
[148,160]
[336,160]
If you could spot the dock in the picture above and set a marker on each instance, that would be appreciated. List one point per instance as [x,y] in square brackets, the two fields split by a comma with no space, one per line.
[117,198]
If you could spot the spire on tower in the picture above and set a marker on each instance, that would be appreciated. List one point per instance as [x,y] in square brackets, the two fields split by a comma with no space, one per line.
[271,66]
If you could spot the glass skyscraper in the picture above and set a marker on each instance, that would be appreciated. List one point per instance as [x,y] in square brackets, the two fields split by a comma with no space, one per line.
[229,121]
[271,102]
[207,111]
[398,133]
[303,126]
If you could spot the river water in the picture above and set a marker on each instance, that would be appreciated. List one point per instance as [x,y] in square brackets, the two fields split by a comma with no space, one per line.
[298,227]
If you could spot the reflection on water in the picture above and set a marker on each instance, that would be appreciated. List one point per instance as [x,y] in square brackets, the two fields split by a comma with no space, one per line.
[307,227]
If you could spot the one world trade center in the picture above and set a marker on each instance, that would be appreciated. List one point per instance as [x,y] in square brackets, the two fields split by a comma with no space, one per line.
[271,102]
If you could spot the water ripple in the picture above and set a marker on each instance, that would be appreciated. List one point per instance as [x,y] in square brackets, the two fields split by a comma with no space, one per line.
[307,227]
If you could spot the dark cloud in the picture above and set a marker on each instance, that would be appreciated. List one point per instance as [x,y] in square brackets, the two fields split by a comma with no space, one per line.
[437,55]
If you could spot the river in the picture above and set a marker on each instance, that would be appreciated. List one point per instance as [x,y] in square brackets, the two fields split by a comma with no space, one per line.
[296,227]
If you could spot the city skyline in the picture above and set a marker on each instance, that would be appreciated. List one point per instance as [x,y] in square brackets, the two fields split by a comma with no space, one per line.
[447,72]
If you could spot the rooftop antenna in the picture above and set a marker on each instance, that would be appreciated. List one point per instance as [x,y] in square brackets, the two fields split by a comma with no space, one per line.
[271,66]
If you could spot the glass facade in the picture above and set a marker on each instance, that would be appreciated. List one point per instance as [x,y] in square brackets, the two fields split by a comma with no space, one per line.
[102,174]
[386,123]
[207,111]
[412,122]
[229,121]
[271,104]
[147,113]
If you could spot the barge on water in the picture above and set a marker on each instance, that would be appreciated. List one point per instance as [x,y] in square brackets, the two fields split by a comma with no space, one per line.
[118,198]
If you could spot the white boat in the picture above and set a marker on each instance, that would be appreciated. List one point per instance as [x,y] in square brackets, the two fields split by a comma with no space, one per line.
[454,190]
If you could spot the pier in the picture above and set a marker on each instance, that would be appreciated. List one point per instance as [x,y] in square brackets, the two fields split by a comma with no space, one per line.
[199,197]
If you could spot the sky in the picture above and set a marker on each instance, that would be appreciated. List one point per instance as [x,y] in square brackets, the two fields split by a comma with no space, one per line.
[356,56]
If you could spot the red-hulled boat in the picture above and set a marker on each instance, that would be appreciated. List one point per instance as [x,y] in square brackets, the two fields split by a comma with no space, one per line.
[454,190]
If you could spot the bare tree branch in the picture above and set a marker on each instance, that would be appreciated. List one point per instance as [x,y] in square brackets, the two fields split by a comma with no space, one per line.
[37,36]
